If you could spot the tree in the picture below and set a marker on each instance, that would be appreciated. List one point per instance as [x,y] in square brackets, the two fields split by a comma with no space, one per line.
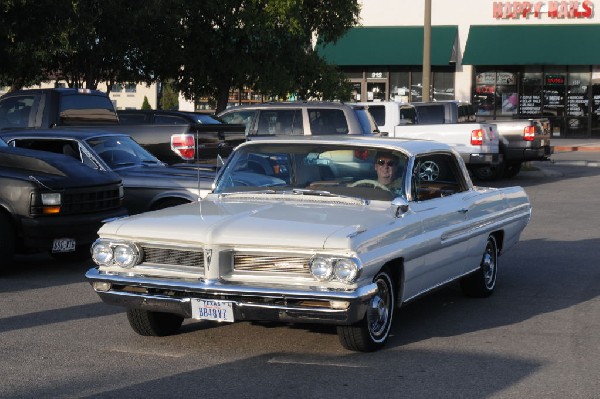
[205,47]
[262,44]
[169,99]
[81,42]
[146,103]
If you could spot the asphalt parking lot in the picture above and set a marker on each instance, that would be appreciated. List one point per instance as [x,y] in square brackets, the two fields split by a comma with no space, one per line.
[536,337]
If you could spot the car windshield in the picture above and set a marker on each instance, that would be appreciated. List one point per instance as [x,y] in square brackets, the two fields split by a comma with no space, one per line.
[317,169]
[121,151]
[207,119]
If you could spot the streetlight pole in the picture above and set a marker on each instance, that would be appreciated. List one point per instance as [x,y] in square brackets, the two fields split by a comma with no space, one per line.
[427,51]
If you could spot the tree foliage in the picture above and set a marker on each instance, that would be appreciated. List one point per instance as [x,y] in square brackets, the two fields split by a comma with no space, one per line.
[206,47]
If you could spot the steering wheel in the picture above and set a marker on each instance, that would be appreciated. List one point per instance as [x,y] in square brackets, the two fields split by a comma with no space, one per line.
[429,171]
[369,182]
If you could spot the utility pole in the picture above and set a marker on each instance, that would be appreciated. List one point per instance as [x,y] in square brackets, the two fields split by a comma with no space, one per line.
[427,52]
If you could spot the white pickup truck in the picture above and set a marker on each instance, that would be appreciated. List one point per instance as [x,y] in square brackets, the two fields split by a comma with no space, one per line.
[477,143]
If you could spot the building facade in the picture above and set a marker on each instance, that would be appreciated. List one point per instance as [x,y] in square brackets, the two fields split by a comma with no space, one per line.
[513,59]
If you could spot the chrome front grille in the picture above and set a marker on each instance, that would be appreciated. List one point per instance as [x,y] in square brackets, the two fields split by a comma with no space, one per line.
[173,258]
[278,264]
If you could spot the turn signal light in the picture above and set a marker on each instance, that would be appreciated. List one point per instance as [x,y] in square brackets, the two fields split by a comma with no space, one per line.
[477,137]
[51,210]
[529,133]
[184,145]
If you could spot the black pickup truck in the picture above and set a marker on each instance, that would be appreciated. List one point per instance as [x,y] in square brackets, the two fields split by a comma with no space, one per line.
[83,108]
[50,202]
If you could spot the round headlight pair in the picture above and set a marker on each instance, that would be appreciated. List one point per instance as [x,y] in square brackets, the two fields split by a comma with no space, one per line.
[106,253]
[326,268]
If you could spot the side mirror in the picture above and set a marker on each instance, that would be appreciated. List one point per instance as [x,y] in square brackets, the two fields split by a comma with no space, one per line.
[399,206]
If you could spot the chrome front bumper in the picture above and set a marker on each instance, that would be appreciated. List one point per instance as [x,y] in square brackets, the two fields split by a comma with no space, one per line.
[251,303]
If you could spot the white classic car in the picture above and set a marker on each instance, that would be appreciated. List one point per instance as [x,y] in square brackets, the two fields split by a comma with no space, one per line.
[339,230]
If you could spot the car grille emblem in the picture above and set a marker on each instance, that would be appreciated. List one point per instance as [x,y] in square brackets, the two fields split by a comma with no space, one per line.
[207,257]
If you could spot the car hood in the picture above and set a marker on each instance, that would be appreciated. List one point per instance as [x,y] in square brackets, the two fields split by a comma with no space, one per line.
[55,171]
[286,223]
[166,177]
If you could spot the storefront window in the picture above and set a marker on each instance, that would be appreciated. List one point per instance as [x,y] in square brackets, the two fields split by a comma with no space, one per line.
[443,86]
[416,86]
[596,102]
[577,101]
[530,101]
[399,86]
[356,86]
[485,89]
[506,93]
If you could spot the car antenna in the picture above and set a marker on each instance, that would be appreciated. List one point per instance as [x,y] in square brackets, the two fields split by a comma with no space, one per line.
[197,156]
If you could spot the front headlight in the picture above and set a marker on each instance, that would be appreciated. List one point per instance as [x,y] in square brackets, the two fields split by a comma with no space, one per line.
[325,268]
[123,254]
[51,199]
[102,253]
[126,255]
[345,270]
[321,268]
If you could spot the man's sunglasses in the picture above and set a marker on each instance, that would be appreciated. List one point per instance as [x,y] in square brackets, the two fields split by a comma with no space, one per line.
[389,163]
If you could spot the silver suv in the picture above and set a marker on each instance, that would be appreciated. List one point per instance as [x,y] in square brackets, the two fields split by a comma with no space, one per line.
[302,118]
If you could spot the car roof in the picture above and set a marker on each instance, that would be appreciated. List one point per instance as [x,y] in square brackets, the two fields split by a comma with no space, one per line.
[288,104]
[410,146]
[63,90]
[59,133]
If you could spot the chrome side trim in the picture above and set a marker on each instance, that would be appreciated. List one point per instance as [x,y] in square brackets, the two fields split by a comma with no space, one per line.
[426,291]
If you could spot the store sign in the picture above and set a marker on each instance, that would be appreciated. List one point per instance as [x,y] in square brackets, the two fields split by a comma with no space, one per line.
[555,80]
[553,9]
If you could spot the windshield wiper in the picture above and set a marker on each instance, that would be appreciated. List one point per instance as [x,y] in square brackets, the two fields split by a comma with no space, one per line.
[306,191]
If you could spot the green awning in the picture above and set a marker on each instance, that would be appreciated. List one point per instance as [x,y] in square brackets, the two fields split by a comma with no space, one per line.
[390,45]
[533,45]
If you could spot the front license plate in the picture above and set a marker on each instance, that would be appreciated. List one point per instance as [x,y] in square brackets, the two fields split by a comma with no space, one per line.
[63,245]
[212,310]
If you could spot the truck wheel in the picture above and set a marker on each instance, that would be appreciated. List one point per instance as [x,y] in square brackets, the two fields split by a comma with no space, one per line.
[153,324]
[7,239]
[488,173]
[512,170]
[481,283]
[373,330]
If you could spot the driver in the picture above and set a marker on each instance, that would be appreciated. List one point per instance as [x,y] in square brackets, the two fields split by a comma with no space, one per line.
[386,166]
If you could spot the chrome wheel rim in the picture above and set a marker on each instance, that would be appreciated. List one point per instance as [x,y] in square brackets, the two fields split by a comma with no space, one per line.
[379,313]
[488,266]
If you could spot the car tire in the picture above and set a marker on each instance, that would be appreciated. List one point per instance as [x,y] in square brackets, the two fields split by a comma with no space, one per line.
[488,173]
[153,324]
[7,239]
[482,282]
[372,332]
[512,170]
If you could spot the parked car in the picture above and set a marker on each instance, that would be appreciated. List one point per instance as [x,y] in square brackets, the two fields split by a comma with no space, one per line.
[301,118]
[339,230]
[149,184]
[51,203]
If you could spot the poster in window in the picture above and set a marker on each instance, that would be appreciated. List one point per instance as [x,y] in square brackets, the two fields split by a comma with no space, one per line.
[486,78]
[505,78]
[509,103]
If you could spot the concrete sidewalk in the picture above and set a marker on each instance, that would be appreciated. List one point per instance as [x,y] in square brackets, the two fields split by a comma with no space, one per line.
[569,145]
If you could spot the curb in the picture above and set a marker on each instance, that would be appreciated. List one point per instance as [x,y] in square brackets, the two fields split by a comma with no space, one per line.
[559,148]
